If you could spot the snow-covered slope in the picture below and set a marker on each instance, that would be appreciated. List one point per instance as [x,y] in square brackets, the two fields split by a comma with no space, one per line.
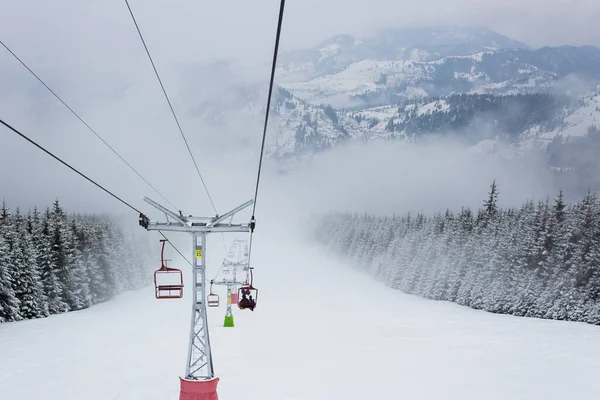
[362,78]
[577,122]
[321,331]
[377,82]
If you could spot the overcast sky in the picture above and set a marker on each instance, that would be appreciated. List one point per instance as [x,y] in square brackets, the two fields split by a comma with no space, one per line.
[185,29]
[89,52]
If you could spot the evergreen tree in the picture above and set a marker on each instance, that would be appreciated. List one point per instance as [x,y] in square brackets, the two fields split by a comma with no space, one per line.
[491,204]
[9,305]
[53,263]
[539,261]
[53,287]
[64,259]
[80,281]
[27,282]
[559,207]
[8,233]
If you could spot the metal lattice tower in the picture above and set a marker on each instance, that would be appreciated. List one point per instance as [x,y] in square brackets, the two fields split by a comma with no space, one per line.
[233,283]
[199,361]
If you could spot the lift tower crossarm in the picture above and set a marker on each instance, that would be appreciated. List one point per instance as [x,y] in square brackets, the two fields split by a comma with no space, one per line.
[230,213]
[173,215]
[195,224]
[198,228]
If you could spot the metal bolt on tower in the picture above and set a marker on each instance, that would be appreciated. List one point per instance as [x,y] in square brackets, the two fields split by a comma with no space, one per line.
[200,382]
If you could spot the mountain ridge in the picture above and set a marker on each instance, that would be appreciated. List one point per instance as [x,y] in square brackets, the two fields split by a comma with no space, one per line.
[417,44]
[346,88]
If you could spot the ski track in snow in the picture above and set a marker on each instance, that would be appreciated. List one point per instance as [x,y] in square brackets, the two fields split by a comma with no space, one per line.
[322,330]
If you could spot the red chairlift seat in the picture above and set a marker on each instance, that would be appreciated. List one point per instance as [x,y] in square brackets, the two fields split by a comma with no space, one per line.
[168,282]
[247,295]
[212,299]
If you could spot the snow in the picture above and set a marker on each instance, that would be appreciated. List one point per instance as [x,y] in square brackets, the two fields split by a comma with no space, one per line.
[371,76]
[578,122]
[418,55]
[359,78]
[329,51]
[413,92]
[295,72]
[322,330]
[429,108]
[383,112]
[477,57]
[471,76]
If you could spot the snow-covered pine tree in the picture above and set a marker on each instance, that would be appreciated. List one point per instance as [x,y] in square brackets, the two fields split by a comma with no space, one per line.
[53,287]
[53,263]
[62,256]
[490,206]
[102,281]
[8,232]
[27,283]
[34,232]
[9,305]
[540,261]
[80,284]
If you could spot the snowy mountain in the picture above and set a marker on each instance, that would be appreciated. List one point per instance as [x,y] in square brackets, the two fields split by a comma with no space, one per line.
[372,82]
[406,83]
[403,44]
[524,119]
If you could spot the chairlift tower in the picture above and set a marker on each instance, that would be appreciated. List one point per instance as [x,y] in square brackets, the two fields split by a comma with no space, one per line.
[232,283]
[200,379]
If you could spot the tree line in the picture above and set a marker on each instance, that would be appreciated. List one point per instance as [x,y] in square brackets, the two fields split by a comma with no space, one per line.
[52,263]
[509,115]
[539,260]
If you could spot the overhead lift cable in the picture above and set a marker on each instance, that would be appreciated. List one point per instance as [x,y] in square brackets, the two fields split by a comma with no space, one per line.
[170,106]
[84,176]
[83,122]
[67,165]
[180,253]
[174,114]
[262,147]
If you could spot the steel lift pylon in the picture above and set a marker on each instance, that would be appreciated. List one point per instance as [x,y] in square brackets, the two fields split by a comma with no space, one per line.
[199,382]
[232,283]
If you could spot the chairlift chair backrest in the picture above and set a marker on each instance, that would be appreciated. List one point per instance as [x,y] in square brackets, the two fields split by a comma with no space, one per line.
[168,282]
[212,300]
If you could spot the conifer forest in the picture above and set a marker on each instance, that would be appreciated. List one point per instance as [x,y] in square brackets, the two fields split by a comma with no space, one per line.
[52,262]
[540,260]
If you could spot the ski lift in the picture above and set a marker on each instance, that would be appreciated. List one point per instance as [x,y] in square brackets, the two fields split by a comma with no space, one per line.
[226,268]
[168,282]
[212,299]
[247,295]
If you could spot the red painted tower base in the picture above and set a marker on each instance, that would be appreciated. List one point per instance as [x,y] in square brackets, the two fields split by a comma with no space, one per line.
[198,390]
